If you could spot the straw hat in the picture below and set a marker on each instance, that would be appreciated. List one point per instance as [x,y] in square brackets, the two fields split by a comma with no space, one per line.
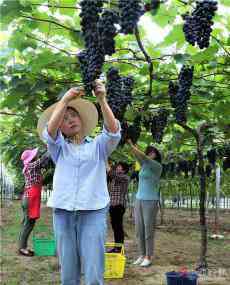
[87,111]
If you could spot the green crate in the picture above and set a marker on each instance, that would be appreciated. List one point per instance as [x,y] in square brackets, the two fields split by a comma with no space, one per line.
[44,246]
[43,241]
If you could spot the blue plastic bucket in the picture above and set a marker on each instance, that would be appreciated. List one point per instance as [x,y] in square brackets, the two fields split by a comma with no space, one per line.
[179,278]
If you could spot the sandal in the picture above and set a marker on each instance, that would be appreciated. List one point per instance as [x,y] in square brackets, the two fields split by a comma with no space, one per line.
[24,252]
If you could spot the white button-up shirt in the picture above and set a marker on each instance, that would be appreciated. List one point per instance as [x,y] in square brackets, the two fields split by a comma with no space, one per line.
[79,181]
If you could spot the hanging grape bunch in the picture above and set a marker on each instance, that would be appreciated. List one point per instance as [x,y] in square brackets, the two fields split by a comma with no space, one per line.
[134,130]
[90,14]
[124,128]
[179,100]
[211,155]
[83,61]
[108,31]
[193,167]
[183,166]
[113,90]
[91,60]
[198,26]
[119,91]
[172,91]
[130,13]
[158,124]
[152,5]
[208,170]
[226,163]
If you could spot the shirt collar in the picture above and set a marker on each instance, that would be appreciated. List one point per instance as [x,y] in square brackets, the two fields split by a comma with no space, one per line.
[86,140]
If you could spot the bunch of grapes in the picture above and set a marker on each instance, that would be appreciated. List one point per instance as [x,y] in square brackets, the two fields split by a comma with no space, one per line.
[179,100]
[208,170]
[172,91]
[130,12]
[226,163]
[127,89]
[212,155]
[158,124]
[83,61]
[119,90]
[108,31]
[134,130]
[198,26]
[193,167]
[124,128]
[183,166]
[153,5]
[90,14]
[91,60]
[113,90]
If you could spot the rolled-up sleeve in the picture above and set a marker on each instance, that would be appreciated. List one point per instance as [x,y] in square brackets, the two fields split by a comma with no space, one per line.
[54,145]
[108,141]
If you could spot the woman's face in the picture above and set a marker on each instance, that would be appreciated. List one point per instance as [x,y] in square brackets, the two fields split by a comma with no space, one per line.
[119,169]
[152,154]
[71,124]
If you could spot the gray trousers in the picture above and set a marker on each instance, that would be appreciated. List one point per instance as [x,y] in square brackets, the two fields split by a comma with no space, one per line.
[145,222]
[27,225]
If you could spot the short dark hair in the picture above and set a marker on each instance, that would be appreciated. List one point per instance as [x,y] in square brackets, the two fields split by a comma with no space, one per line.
[124,166]
[150,149]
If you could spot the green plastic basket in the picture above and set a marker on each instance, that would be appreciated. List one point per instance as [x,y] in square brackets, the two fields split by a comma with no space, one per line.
[45,245]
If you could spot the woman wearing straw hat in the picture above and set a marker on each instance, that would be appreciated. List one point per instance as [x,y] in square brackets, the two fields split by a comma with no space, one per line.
[80,197]
[31,199]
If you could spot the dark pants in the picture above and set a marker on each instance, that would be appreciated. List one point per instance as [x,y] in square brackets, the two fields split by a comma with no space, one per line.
[116,215]
[27,225]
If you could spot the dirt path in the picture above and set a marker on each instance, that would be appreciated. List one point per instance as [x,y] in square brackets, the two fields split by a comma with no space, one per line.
[177,245]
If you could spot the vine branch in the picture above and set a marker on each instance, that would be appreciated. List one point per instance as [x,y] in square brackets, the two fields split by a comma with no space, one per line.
[49,44]
[52,22]
[148,59]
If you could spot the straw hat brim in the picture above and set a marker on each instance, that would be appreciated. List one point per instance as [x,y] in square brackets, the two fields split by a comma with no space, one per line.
[86,109]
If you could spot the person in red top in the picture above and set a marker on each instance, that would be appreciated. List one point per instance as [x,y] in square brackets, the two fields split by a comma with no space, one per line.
[31,199]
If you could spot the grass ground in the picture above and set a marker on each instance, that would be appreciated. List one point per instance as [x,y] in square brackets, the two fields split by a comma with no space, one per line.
[177,245]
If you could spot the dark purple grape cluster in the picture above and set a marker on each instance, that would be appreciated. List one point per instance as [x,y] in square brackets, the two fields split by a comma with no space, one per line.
[179,100]
[208,170]
[98,31]
[119,90]
[212,156]
[131,132]
[83,61]
[130,13]
[91,60]
[183,166]
[127,89]
[134,130]
[198,26]
[155,4]
[152,5]
[124,128]
[226,163]
[172,91]
[108,31]
[158,124]
[90,15]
